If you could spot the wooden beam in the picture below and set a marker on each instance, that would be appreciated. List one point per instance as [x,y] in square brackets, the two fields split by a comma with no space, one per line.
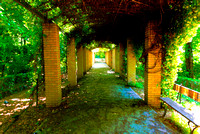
[32,10]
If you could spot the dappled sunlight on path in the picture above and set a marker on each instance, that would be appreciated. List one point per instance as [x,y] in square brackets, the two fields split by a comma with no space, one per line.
[16,104]
[102,104]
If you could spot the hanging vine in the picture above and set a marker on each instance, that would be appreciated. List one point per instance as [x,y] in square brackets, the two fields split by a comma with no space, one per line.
[182,22]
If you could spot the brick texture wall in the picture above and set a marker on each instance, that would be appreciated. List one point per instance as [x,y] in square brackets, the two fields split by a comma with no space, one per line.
[108,53]
[87,60]
[71,63]
[152,77]
[84,60]
[110,58]
[52,64]
[80,62]
[90,59]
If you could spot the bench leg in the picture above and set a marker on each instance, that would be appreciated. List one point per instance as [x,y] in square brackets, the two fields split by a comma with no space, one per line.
[164,112]
[177,97]
[189,125]
[194,129]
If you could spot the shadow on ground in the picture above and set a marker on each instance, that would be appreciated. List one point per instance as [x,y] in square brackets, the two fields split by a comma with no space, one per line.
[102,104]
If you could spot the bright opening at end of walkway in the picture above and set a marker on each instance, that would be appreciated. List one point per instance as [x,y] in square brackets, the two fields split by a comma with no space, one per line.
[100,65]
[99,54]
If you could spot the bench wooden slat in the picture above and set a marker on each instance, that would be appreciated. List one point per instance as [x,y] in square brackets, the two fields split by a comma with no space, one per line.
[195,95]
[183,111]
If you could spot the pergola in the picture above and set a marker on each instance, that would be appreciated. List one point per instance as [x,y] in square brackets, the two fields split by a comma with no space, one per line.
[123,22]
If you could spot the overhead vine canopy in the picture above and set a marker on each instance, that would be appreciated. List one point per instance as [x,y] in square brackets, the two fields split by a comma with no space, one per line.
[80,12]
[112,20]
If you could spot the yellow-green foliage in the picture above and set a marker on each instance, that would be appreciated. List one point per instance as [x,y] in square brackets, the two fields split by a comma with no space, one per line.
[182,123]
[189,17]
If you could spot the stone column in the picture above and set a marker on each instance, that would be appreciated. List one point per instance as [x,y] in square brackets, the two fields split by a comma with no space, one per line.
[52,64]
[84,60]
[80,62]
[131,63]
[152,74]
[121,60]
[71,63]
[117,59]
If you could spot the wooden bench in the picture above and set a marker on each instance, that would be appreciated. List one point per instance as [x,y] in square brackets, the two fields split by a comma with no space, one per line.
[183,111]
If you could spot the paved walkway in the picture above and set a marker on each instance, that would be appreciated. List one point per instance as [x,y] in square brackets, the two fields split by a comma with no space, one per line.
[103,105]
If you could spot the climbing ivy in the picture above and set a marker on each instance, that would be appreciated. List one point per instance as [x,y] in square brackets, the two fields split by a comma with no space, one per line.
[195,46]
[102,44]
[181,28]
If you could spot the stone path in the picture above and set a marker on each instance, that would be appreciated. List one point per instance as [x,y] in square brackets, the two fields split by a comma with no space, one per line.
[103,105]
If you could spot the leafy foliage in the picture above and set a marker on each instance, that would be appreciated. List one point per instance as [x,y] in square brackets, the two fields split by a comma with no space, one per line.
[181,28]
[100,44]
[189,82]
[63,52]
[137,84]
[21,58]
[20,44]
[195,43]
[99,55]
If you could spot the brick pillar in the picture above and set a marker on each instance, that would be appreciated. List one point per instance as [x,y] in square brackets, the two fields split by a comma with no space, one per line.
[90,59]
[84,60]
[131,63]
[152,76]
[80,62]
[87,57]
[117,59]
[110,58]
[121,60]
[93,58]
[52,65]
[113,59]
[106,57]
[71,63]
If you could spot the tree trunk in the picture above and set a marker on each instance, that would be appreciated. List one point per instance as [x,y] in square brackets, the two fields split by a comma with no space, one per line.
[189,59]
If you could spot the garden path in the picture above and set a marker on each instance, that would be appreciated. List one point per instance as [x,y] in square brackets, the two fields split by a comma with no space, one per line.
[103,104]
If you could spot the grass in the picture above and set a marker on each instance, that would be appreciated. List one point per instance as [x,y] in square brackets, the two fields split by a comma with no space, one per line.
[177,120]
[136,84]
[182,123]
